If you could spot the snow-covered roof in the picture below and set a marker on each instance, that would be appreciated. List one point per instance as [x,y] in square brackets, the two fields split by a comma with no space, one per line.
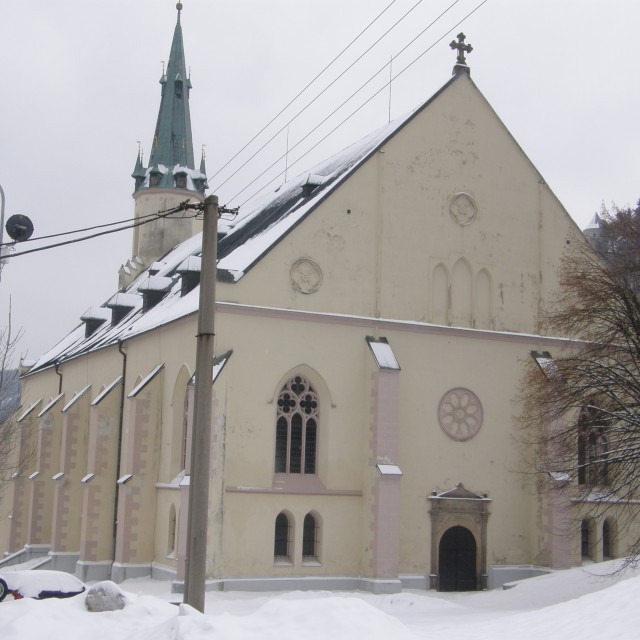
[129,300]
[262,223]
[192,264]
[242,242]
[96,313]
[155,283]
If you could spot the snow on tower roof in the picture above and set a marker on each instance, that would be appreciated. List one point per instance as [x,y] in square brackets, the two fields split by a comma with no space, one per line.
[595,223]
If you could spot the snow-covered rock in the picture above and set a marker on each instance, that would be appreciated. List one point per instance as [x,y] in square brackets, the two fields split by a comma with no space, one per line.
[105,596]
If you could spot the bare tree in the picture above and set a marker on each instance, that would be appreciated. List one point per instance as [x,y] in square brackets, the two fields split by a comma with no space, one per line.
[9,401]
[582,404]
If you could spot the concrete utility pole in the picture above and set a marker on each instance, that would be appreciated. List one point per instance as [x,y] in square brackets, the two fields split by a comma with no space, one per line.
[196,560]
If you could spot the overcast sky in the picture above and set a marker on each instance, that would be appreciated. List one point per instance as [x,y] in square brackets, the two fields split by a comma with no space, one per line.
[80,88]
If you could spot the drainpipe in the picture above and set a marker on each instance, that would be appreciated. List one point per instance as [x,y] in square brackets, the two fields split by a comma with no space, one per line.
[119,452]
[57,368]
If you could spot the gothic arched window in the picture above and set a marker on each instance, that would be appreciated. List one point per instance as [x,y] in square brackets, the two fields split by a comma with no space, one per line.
[585,539]
[282,542]
[184,433]
[607,550]
[297,427]
[171,542]
[593,449]
[310,538]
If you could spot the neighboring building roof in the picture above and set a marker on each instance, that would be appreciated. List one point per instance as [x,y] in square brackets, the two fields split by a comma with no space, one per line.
[595,223]
[594,233]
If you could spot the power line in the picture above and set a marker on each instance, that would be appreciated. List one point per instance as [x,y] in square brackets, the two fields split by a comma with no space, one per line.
[279,159]
[303,90]
[277,133]
[98,226]
[442,37]
[185,205]
[149,218]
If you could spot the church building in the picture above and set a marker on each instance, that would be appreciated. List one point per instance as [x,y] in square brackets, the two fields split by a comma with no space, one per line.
[374,319]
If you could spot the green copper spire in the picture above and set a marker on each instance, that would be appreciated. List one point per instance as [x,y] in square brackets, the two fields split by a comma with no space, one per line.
[171,163]
[139,172]
[172,142]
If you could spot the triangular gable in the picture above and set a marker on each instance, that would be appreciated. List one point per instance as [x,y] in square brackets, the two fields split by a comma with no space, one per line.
[458,493]
[146,380]
[105,392]
[219,363]
[52,402]
[275,216]
[75,398]
[29,410]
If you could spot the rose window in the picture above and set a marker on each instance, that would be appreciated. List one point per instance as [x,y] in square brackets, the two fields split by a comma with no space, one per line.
[460,414]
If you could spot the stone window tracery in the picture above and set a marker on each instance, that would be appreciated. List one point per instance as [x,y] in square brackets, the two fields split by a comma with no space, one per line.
[297,427]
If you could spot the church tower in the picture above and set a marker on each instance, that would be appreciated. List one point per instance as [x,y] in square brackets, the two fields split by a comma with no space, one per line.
[171,177]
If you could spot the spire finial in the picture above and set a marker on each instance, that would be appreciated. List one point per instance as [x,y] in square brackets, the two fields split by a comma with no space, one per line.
[461,62]
[179,8]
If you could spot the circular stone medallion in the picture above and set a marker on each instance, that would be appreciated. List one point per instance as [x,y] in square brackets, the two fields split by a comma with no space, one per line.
[463,208]
[460,414]
[306,275]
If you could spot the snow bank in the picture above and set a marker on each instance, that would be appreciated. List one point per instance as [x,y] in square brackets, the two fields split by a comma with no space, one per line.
[586,603]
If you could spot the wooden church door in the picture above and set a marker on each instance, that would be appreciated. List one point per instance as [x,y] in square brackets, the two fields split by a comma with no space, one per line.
[457,561]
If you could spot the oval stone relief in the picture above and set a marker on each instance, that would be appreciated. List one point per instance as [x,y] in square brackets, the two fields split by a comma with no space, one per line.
[306,275]
[460,414]
[463,208]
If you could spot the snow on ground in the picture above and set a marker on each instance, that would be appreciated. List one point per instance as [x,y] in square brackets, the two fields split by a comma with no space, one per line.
[586,602]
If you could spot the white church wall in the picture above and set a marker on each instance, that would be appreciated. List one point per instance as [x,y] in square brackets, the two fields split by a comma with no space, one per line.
[448,223]
[409,193]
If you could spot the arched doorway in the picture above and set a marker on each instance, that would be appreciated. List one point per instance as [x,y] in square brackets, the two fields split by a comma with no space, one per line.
[458,522]
[457,560]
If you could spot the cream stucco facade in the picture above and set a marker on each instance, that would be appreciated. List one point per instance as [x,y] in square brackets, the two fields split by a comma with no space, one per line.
[405,303]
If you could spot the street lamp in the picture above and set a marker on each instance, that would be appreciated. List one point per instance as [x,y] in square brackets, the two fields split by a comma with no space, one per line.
[19,228]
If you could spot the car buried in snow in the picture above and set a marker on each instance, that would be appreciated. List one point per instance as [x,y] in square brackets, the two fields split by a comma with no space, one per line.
[39,584]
